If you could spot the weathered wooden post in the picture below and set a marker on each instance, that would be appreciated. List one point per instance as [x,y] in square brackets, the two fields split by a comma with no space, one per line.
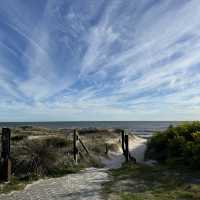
[123,135]
[5,155]
[85,148]
[106,151]
[75,148]
[126,148]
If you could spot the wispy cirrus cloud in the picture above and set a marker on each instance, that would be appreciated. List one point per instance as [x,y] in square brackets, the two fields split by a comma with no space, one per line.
[105,60]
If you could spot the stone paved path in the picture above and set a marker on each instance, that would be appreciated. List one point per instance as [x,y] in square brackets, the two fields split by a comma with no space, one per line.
[85,185]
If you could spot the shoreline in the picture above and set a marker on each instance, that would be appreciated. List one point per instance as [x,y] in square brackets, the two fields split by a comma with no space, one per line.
[141,128]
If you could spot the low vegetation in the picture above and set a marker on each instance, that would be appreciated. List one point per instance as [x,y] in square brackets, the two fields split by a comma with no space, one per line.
[38,152]
[142,182]
[177,146]
[175,176]
[41,152]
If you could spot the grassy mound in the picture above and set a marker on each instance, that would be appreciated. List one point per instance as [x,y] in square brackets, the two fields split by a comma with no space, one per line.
[177,145]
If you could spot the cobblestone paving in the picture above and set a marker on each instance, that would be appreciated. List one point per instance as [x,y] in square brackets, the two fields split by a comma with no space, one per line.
[85,185]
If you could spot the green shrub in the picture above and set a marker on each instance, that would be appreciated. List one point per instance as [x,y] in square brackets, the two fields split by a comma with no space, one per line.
[177,145]
[36,158]
[196,136]
[157,147]
[17,138]
[26,127]
[57,142]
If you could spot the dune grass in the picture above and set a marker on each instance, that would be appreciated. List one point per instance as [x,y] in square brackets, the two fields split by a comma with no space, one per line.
[40,152]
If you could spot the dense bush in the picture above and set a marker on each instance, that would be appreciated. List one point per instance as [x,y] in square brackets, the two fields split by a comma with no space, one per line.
[177,145]
[49,156]
[17,138]
[34,157]
[58,142]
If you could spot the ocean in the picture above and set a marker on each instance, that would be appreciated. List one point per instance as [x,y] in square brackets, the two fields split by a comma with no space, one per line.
[141,128]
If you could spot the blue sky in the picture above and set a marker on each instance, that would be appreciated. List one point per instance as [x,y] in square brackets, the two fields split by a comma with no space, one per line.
[99,60]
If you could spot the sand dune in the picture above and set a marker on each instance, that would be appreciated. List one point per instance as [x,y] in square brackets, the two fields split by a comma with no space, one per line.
[137,147]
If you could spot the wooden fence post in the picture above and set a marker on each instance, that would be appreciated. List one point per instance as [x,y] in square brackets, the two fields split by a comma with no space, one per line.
[85,148]
[5,155]
[75,148]
[123,135]
[126,148]
[106,151]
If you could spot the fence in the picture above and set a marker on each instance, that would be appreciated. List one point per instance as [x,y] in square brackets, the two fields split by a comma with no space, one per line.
[5,167]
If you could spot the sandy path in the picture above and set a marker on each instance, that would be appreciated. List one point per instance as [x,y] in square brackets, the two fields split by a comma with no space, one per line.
[137,148]
[85,185]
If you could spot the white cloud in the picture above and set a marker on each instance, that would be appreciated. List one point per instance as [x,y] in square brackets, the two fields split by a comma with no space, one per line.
[127,62]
